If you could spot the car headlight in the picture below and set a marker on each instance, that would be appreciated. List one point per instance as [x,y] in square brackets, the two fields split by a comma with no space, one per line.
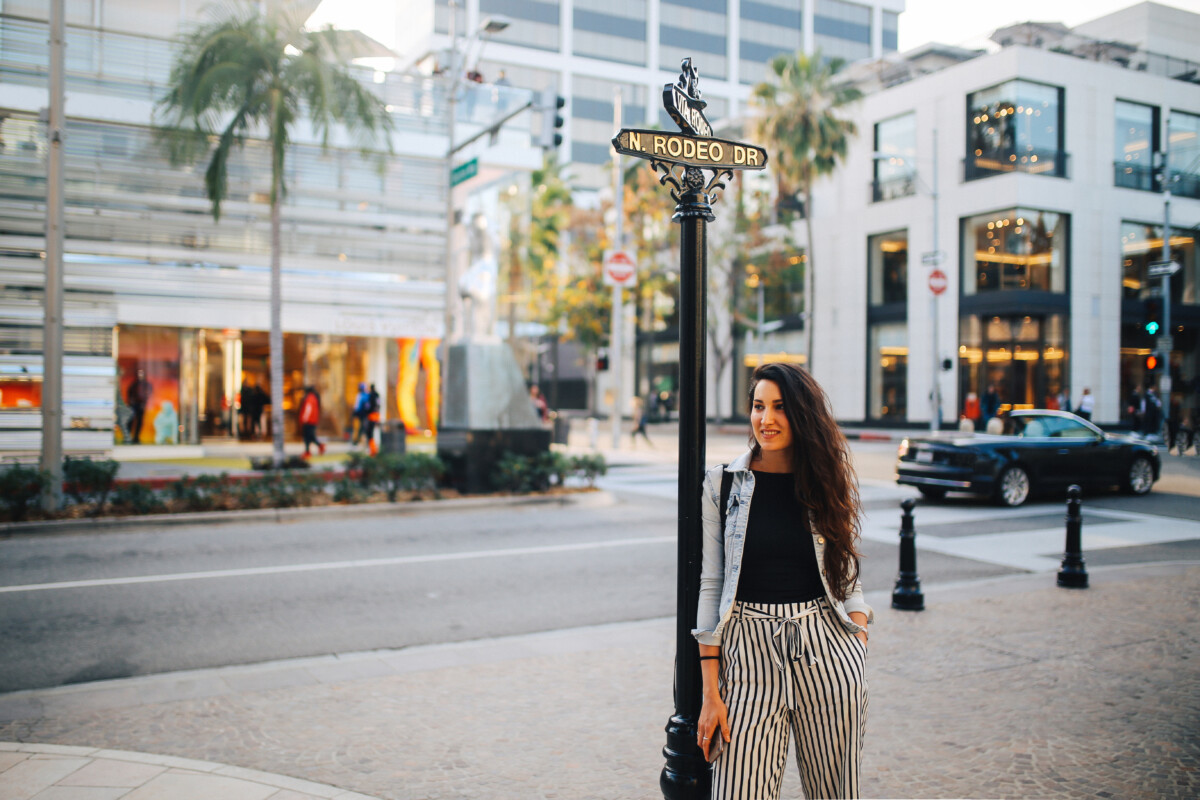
[903,449]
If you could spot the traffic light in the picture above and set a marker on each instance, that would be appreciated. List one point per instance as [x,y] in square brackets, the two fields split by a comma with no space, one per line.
[1151,313]
[1152,362]
[602,362]
[552,121]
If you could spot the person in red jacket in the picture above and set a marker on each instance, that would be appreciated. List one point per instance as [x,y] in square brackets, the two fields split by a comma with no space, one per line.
[310,415]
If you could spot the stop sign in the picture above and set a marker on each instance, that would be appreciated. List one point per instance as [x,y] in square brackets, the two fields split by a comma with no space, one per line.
[937,281]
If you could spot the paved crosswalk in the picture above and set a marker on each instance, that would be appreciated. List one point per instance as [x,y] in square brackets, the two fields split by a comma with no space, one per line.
[1028,538]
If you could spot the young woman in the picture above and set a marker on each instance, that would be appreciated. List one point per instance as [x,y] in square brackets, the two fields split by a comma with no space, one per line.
[781,622]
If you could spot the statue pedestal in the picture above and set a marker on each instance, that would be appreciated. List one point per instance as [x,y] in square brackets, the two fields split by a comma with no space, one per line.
[487,413]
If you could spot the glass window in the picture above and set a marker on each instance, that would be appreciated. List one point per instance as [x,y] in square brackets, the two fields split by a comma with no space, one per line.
[1016,126]
[888,372]
[1141,245]
[694,28]
[535,22]
[1020,359]
[1135,141]
[888,265]
[891,24]
[895,158]
[1019,249]
[20,391]
[147,385]
[1184,159]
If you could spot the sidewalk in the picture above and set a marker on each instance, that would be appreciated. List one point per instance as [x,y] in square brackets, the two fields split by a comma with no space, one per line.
[1007,687]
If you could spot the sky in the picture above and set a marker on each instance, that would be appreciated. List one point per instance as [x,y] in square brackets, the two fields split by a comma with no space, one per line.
[969,22]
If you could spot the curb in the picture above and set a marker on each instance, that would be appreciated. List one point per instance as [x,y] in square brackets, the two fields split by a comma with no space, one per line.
[586,499]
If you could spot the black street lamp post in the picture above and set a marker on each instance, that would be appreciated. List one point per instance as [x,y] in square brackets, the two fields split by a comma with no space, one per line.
[682,159]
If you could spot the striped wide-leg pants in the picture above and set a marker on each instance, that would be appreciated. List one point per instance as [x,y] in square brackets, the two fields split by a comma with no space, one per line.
[791,668]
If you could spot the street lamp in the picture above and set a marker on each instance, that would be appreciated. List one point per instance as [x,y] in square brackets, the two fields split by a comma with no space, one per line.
[932,259]
[488,26]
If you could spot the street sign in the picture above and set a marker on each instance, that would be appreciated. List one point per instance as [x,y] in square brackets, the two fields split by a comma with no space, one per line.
[937,281]
[1161,269]
[932,258]
[620,269]
[690,151]
[687,110]
[464,172]
[1165,344]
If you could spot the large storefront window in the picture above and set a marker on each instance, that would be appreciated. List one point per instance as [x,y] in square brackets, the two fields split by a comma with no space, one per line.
[888,376]
[1135,141]
[1143,320]
[1185,154]
[1141,245]
[895,158]
[1017,249]
[1021,357]
[887,315]
[888,265]
[1015,127]
[147,385]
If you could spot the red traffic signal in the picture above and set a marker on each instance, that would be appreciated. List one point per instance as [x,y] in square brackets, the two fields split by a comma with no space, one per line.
[1152,362]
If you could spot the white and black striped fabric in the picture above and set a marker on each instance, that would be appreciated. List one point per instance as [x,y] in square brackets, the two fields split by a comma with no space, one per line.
[794,668]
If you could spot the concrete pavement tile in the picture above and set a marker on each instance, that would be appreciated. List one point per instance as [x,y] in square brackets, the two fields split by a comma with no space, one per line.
[8,758]
[288,794]
[11,746]
[106,772]
[156,759]
[81,793]
[60,750]
[184,785]
[24,780]
[279,781]
[353,796]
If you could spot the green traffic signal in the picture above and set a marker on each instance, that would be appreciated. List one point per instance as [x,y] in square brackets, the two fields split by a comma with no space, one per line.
[1152,327]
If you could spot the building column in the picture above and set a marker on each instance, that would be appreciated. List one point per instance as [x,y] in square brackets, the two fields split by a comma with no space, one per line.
[377,371]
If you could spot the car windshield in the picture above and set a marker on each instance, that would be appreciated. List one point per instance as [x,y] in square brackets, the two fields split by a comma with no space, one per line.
[1048,427]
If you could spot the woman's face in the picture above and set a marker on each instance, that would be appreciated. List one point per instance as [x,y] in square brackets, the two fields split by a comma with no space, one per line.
[767,419]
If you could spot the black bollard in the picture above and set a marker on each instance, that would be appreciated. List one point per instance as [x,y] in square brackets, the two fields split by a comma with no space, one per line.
[1073,575]
[907,595]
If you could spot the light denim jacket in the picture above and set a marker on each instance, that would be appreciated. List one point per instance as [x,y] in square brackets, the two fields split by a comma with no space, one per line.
[721,563]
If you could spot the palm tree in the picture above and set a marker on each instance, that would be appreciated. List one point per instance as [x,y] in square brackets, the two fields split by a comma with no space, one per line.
[256,75]
[800,126]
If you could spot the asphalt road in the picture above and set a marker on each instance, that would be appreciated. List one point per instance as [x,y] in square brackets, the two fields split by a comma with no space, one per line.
[77,608]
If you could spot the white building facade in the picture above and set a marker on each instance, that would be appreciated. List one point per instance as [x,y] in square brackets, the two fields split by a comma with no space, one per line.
[1048,213]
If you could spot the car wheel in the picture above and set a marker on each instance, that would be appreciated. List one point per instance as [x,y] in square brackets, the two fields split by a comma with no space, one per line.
[1013,487]
[931,493]
[1141,476]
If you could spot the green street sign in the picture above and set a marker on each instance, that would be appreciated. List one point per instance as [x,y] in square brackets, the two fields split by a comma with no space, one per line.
[464,172]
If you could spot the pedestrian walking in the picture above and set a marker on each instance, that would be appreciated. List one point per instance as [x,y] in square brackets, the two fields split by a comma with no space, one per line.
[641,415]
[781,620]
[310,415]
[138,397]
[1087,404]
[990,405]
[360,412]
[540,406]
[372,419]
[1152,417]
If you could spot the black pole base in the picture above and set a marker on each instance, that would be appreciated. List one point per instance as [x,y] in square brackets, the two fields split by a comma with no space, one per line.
[908,598]
[686,775]
[1073,578]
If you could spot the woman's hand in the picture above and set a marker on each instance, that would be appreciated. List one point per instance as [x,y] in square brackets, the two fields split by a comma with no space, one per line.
[714,721]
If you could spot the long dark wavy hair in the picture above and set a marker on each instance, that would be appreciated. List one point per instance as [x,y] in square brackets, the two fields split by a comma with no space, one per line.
[825,480]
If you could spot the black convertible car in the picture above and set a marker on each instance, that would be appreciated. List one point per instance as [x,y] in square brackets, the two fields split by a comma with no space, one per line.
[1042,451]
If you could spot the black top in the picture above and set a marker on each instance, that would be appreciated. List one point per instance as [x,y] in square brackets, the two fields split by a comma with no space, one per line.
[779,562]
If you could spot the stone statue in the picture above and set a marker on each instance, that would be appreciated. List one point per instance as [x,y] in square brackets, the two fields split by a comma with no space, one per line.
[477,286]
